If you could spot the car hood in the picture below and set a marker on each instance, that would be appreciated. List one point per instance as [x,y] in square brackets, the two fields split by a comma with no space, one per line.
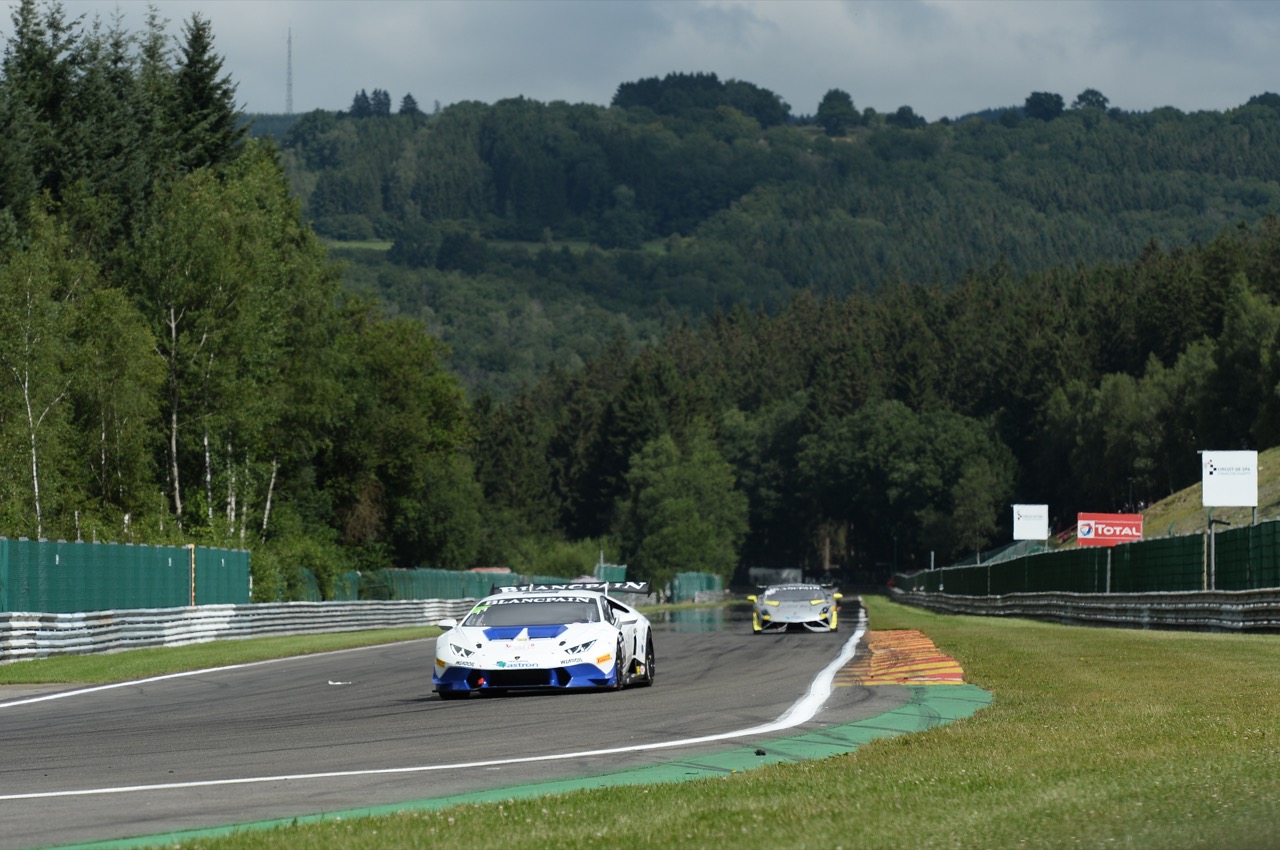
[796,610]
[531,641]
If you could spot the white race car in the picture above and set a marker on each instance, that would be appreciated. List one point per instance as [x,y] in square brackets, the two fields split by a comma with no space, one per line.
[546,636]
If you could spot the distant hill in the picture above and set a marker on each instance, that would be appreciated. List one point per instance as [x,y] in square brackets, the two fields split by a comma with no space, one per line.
[580,222]
[274,125]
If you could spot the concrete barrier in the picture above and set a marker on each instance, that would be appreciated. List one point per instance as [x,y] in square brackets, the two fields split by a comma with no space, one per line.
[1212,610]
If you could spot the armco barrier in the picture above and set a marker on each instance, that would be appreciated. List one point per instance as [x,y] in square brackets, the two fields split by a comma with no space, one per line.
[1211,610]
[24,636]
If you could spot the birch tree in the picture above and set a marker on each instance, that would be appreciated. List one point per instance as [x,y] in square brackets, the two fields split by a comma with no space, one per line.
[116,395]
[241,302]
[189,291]
[39,285]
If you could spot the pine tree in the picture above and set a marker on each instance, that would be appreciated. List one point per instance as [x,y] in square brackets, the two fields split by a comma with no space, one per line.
[206,113]
[409,106]
[361,105]
[37,88]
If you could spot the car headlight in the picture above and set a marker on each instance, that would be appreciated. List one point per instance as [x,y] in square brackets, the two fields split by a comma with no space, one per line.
[580,648]
[461,652]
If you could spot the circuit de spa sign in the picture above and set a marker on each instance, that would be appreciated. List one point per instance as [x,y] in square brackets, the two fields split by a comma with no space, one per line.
[1229,479]
[1108,529]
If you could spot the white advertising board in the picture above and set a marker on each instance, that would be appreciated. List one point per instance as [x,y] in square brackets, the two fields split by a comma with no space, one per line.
[1229,479]
[1030,522]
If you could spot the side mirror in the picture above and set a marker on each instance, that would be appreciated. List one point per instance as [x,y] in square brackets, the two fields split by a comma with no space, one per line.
[447,623]
[751,598]
[838,595]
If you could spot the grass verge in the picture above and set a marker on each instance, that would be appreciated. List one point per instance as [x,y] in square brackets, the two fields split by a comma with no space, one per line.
[1096,738]
[157,661]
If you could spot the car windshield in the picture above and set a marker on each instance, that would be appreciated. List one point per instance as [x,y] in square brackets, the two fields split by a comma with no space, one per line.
[534,612]
[795,594]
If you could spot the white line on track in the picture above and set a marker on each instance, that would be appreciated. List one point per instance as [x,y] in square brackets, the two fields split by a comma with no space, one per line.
[801,711]
[130,683]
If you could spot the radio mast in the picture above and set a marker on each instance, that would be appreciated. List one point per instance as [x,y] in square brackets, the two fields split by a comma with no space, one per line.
[288,77]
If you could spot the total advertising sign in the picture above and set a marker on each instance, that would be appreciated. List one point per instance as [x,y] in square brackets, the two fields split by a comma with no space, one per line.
[1108,529]
[1229,479]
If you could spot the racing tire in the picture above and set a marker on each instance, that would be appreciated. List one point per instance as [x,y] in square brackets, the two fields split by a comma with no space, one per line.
[454,694]
[619,668]
[649,661]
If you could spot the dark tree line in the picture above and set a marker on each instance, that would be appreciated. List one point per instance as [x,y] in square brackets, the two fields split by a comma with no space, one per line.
[694,97]
[869,432]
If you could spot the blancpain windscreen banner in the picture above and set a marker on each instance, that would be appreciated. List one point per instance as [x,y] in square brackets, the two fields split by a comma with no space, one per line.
[1230,479]
[1030,522]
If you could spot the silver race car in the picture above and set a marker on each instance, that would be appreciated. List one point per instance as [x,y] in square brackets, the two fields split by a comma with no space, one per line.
[795,607]
[559,636]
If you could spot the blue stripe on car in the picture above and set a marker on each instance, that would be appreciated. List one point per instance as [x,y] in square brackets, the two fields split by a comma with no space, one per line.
[535,632]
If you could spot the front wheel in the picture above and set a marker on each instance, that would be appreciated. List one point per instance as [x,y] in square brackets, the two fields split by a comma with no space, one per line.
[454,694]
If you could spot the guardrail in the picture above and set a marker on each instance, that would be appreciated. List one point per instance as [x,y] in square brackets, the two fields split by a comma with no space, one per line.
[24,636]
[1211,610]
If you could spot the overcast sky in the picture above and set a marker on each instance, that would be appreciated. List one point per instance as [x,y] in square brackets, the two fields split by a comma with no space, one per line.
[941,57]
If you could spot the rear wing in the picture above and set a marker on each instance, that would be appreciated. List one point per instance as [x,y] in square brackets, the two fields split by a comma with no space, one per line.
[641,587]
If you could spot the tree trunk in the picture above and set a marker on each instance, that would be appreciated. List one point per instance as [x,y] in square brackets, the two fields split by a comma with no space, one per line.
[173,416]
[231,491]
[271,488]
[35,477]
[208,477]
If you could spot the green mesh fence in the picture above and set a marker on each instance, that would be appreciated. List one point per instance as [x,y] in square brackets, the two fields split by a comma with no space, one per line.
[222,575]
[686,586]
[1245,558]
[1006,574]
[308,589]
[1082,570]
[610,572]
[964,581]
[513,579]
[1164,565]
[453,584]
[346,588]
[61,577]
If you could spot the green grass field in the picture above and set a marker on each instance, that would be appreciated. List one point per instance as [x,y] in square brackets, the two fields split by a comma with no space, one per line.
[1103,738]
[158,661]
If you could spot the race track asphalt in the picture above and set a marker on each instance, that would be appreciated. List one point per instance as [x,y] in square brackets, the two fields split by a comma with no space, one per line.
[361,728]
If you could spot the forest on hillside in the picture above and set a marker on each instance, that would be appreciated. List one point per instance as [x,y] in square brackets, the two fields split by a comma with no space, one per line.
[527,234]
[846,345]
